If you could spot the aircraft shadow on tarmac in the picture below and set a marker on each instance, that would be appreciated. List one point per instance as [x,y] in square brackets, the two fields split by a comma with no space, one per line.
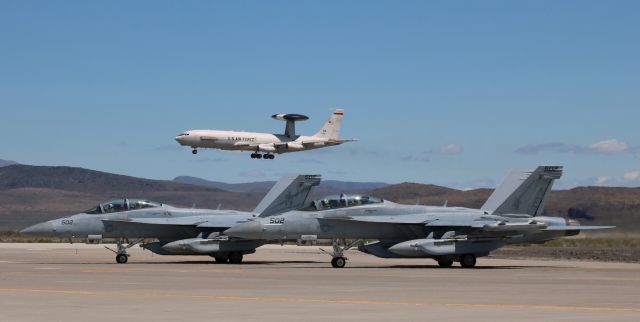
[274,264]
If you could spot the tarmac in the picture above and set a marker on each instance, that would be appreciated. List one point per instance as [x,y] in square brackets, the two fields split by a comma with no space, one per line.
[78,282]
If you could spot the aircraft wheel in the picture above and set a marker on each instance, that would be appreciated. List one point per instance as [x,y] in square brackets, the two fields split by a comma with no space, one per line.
[122,258]
[468,260]
[221,258]
[265,156]
[338,262]
[444,262]
[194,151]
[235,257]
[271,156]
[258,156]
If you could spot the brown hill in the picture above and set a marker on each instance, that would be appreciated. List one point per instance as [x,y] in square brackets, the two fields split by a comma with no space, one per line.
[590,205]
[29,194]
[427,194]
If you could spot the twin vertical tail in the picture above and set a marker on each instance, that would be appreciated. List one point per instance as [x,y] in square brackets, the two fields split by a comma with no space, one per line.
[523,192]
[331,129]
[289,193]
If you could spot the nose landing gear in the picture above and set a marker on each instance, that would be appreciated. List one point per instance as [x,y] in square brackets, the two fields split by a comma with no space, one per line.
[195,151]
[121,251]
[339,247]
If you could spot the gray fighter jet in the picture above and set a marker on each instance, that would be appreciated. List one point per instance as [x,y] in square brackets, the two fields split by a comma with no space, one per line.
[180,231]
[512,214]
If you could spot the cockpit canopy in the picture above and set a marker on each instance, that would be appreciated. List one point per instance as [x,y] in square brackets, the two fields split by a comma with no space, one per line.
[119,205]
[341,201]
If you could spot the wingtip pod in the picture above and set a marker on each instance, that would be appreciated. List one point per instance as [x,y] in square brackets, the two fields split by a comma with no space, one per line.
[550,171]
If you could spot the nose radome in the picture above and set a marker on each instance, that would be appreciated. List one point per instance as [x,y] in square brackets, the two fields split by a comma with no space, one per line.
[45,228]
[248,230]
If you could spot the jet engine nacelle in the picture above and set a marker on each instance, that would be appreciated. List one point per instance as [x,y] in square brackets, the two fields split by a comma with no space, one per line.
[266,148]
[295,146]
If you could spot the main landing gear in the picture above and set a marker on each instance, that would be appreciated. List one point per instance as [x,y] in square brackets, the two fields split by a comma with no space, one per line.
[266,156]
[195,151]
[466,261]
[339,247]
[121,251]
[445,262]
[232,257]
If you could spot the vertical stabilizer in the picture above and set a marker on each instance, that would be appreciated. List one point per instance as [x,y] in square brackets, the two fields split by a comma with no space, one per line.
[523,192]
[289,193]
[331,129]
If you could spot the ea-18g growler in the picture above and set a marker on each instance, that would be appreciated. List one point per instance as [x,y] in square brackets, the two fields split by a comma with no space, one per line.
[512,214]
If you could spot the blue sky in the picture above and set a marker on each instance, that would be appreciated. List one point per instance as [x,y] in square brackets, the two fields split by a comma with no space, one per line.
[452,93]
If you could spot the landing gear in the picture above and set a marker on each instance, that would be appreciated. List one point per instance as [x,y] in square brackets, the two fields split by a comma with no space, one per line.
[338,262]
[445,262]
[468,260]
[122,258]
[221,258]
[194,151]
[121,251]
[266,156]
[235,257]
[339,247]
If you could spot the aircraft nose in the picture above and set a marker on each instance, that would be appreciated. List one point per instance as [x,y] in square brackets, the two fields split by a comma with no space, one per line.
[41,229]
[248,230]
[183,138]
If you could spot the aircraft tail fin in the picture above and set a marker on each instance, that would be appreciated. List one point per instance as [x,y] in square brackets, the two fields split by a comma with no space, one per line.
[331,129]
[523,192]
[289,193]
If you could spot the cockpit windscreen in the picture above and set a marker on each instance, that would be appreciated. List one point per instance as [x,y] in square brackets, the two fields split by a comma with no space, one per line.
[341,201]
[119,205]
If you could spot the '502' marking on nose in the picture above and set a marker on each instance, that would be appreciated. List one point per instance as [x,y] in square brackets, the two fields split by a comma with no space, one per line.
[276,220]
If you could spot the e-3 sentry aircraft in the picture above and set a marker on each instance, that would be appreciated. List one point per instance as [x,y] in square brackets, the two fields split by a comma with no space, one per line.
[180,231]
[512,214]
[265,145]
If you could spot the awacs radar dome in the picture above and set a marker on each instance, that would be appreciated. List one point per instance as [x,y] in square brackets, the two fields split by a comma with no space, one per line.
[290,117]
